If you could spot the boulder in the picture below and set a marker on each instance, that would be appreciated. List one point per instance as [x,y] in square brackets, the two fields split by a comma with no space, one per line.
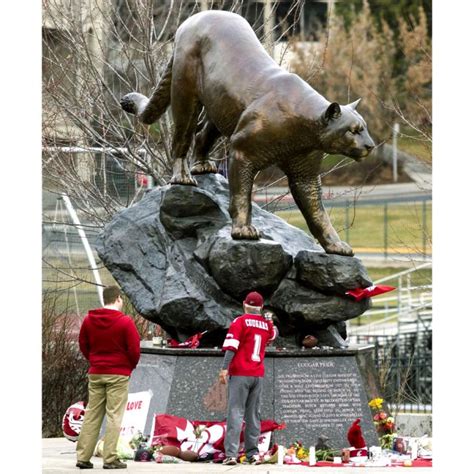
[311,307]
[237,265]
[330,273]
[173,255]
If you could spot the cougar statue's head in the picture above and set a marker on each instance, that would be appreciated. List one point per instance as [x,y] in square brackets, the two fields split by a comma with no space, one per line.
[345,132]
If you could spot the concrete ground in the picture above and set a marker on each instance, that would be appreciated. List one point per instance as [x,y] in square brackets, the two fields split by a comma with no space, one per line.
[59,457]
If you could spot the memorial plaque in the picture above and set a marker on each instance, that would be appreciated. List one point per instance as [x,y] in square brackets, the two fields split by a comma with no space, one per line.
[320,396]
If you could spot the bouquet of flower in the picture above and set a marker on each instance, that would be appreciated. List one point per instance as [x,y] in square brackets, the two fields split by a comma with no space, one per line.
[384,424]
[300,451]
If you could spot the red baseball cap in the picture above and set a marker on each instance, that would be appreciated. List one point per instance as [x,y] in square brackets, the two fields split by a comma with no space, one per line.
[254,299]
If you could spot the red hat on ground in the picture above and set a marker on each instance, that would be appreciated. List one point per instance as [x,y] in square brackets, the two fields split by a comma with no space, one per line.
[254,299]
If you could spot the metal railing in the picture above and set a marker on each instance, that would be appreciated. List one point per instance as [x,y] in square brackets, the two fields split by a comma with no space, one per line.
[404,366]
[407,309]
[400,328]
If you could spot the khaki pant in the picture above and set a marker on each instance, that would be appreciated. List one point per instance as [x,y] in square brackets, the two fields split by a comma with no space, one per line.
[108,395]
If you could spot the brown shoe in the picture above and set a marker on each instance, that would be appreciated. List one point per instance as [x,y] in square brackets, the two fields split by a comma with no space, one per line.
[84,465]
[115,465]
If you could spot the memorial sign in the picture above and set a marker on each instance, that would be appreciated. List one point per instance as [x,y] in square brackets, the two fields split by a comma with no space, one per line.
[320,396]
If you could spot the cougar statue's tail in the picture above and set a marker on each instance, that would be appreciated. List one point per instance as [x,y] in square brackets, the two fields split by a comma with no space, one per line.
[150,110]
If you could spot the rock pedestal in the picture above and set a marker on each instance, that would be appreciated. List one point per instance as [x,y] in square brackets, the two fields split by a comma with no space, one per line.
[314,392]
[173,255]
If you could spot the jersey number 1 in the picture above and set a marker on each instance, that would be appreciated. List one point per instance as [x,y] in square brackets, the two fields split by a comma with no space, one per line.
[257,343]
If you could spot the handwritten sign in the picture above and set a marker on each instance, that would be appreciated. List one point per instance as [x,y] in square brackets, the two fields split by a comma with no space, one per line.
[136,412]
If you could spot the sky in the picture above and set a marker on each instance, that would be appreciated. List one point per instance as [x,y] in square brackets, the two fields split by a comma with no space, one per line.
[20,204]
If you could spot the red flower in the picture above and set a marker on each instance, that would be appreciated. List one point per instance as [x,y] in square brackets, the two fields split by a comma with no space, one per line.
[377,417]
[382,415]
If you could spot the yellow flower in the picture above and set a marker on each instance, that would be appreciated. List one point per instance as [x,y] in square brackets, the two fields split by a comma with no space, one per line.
[376,403]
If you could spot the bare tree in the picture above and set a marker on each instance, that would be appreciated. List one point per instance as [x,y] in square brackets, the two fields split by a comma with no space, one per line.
[413,104]
[392,72]
[94,52]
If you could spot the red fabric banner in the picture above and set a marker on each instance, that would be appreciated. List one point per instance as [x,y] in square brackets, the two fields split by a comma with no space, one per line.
[370,291]
[190,343]
[202,437]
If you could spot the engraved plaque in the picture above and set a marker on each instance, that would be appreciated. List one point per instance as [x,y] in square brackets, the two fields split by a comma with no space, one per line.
[320,396]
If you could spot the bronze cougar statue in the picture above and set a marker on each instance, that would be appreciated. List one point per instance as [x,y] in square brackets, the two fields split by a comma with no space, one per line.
[272,117]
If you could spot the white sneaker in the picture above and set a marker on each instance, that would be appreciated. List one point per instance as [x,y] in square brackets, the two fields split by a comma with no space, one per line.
[229,461]
[255,459]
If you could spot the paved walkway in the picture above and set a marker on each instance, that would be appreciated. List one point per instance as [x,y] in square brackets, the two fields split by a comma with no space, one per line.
[59,457]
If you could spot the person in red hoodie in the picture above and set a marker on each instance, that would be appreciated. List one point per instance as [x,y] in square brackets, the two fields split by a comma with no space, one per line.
[244,347]
[110,342]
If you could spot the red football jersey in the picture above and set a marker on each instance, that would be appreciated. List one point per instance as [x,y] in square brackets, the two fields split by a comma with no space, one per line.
[248,336]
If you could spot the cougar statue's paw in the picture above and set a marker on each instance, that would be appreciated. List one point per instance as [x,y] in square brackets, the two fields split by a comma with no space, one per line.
[245,232]
[204,167]
[134,103]
[339,248]
[186,180]
[128,104]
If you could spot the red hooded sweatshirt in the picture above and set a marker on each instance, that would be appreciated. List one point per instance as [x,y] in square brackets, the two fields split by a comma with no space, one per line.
[110,342]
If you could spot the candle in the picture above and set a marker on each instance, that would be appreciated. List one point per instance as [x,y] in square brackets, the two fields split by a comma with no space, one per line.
[281,453]
[312,456]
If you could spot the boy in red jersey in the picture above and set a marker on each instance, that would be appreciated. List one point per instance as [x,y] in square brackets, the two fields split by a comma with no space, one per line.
[244,348]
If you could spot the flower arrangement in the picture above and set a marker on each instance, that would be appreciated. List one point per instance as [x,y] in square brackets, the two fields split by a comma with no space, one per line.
[384,424]
[298,450]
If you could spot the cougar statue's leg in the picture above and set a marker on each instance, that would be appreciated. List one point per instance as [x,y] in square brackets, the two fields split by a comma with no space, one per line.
[204,141]
[185,107]
[305,186]
[241,176]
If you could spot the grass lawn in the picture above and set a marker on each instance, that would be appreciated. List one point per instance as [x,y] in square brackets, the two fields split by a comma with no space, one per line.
[70,282]
[364,227]
[418,148]
[420,277]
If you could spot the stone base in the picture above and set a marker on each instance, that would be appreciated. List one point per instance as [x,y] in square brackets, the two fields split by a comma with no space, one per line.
[314,392]
[415,425]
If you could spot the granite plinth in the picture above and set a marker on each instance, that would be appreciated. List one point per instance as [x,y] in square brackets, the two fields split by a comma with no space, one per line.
[314,392]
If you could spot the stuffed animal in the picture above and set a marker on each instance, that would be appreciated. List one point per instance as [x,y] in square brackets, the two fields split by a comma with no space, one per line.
[358,446]
[354,435]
